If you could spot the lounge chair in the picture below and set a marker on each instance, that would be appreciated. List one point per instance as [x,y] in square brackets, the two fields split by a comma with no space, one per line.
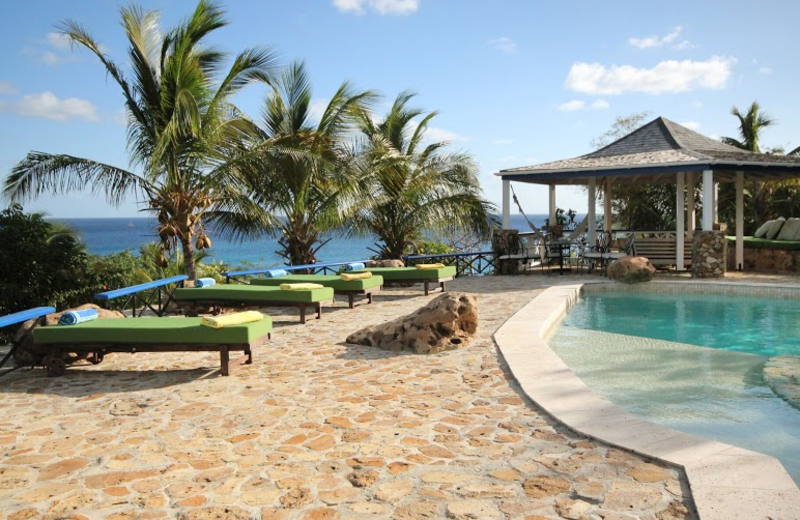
[97,338]
[364,287]
[413,275]
[240,296]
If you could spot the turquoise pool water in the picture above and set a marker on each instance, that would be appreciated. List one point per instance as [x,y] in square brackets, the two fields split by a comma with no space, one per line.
[649,353]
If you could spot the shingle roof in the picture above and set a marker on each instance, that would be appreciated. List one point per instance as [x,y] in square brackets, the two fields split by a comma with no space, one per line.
[658,144]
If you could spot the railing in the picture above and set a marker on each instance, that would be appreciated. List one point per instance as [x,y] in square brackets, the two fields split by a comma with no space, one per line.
[156,293]
[326,268]
[19,317]
[475,263]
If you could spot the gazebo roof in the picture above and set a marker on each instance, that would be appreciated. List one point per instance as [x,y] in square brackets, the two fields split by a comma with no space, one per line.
[658,150]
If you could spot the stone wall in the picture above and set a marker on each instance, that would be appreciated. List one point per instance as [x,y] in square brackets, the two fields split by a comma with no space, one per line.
[507,242]
[766,260]
[709,249]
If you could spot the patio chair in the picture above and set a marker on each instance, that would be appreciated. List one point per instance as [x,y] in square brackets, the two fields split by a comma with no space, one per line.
[243,296]
[350,288]
[413,275]
[94,339]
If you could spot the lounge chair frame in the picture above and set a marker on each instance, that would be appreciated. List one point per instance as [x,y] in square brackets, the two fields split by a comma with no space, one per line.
[95,352]
[190,307]
[440,281]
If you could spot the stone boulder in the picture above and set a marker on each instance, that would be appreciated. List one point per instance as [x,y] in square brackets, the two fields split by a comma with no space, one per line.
[782,374]
[28,354]
[631,269]
[447,322]
[386,263]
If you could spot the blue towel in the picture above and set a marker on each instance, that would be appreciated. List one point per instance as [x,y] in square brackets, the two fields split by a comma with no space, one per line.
[75,317]
[276,273]
[204,282]
[355,266]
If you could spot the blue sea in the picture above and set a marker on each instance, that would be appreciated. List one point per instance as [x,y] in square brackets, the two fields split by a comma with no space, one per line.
[103,236]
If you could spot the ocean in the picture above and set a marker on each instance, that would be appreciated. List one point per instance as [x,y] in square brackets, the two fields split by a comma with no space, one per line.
[103,236]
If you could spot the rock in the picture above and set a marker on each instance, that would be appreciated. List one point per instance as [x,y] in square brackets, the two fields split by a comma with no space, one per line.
[782,374]
[445,323]
[363,478]
[631,269]
[386,263]
[28,354]
[545,486]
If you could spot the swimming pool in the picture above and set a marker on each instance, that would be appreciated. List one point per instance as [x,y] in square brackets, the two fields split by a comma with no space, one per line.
[649,353]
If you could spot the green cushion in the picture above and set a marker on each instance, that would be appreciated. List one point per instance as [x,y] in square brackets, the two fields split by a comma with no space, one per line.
[411,273]
[763,243]
[252,293]
[332,281]
[151,330]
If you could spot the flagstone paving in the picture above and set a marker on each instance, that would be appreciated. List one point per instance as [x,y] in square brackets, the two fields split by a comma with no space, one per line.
[313,429]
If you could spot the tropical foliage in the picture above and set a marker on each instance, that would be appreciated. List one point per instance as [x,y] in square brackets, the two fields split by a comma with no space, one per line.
[415,185]
[302,168]
[181,128]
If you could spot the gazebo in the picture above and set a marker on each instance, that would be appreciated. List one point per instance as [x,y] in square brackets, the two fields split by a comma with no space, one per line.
[661,151]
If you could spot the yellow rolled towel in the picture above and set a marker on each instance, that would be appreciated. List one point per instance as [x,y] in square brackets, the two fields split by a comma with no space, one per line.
[429,266]
[237,318]
[355,276]
[301,286]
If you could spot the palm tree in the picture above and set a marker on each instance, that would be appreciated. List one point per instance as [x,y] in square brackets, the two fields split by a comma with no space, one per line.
[300,168]
[416,186]
[751,125]
[180,122]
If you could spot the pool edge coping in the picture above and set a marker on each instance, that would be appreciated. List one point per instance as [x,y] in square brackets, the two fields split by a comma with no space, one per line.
[725,481]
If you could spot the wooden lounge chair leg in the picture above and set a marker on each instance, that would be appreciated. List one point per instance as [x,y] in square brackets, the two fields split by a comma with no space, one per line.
[350,298]
[369,298]
[223,359]
[302,313]
[319,310]
[249,354]
[426,287]
[443,287]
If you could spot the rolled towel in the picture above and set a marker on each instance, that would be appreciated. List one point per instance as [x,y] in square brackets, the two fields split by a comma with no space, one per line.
[430,266]
[355,276]
[237,318]
[276,273]
[75,317]
[355,266]
[204,282]
[301,286]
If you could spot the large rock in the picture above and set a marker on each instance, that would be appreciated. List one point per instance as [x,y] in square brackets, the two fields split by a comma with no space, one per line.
[445,323]
[631,269]
[782,374]
[386,263]
[28,354]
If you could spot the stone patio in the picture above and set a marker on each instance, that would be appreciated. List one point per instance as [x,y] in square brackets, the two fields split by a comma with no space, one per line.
[316,428]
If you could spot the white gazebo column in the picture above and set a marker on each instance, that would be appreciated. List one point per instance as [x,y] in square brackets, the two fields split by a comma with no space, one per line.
[680,200]
[591,218]
[716,203]
[506,204]
[739,220]
[552,214]
[708,200]
[691,215]
[607,206]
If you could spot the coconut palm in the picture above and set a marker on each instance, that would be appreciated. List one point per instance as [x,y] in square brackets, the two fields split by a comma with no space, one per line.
[300,167]
[180,123]
[751,126]
[416,186]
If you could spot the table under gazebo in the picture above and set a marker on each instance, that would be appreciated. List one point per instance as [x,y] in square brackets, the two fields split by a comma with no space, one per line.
[661,151]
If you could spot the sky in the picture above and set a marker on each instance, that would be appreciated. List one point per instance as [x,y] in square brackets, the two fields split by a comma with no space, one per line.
[515,82]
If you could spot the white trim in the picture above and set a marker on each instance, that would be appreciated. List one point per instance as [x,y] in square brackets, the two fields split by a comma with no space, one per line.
[506,173]
[708,200]
[680,213]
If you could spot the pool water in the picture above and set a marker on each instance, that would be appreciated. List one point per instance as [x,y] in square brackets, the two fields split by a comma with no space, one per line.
[648,353]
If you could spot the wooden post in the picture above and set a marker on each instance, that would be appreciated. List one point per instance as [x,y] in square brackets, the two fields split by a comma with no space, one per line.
[739,220]
[691,215]
[592,217]
[506,204]
[680,200]
[552,192]
[607,223]
[708,200]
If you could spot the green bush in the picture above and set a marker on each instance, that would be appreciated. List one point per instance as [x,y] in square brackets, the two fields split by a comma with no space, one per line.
[43,264]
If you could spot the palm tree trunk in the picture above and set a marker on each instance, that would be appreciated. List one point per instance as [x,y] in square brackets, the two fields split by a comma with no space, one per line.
[188,256]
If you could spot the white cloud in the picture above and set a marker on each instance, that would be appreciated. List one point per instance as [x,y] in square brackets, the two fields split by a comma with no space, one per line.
[121,117]
[571,106]
[501,142]
[577,104]
[691,125]
[317,108]
[382,7]
[671,39]
[504,44]
[666,76]
[440,134]
[765,70]
[7,89]
[48,106]
[58,41]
